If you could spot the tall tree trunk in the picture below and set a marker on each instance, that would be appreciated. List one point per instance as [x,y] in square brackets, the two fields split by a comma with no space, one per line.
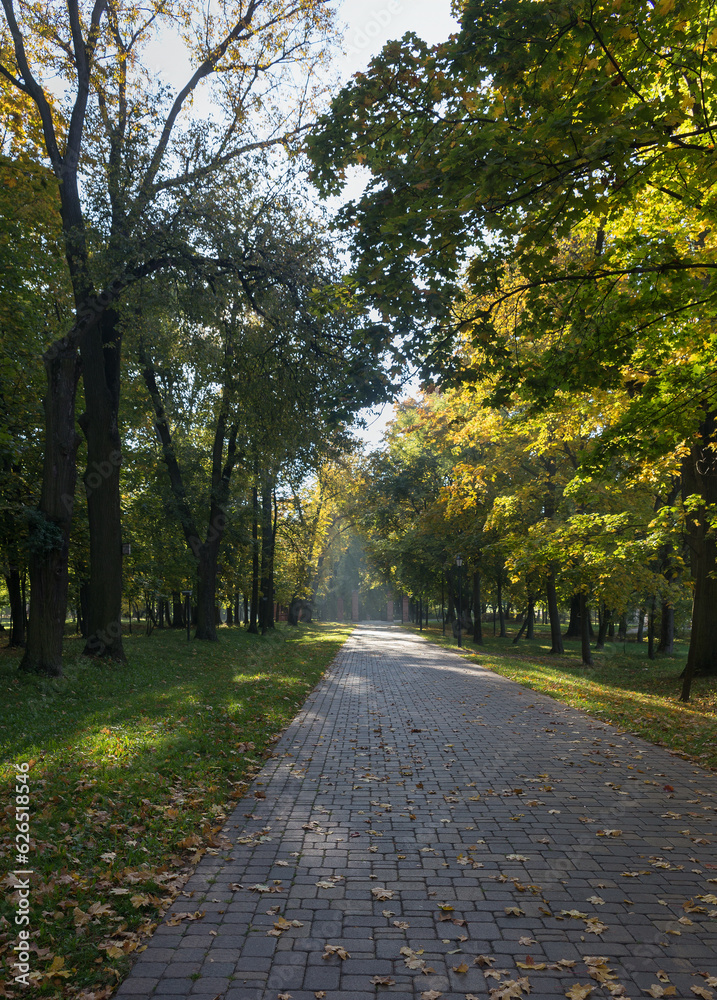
[699,478]
[267,610]
[50,526]
[640,624]
[667,628]
[13,582]
[585,631]
[177,610]
[100,349]
[574,630]
[651,630]
[478,625]
[530,631]
[254,560]
[501,612]
[605,619]
[556,636]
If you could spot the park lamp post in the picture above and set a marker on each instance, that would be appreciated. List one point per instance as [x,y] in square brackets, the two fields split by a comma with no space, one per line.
[459,563]
[188,612]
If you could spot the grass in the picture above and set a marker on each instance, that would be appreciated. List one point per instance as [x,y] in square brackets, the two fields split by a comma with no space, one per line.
[623,687]
[133,770]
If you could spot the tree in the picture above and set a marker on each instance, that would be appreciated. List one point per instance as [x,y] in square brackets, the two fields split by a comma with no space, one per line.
[537,129]
[131,162]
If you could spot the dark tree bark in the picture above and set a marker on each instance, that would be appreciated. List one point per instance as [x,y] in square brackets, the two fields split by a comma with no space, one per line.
[574,630]
[501,612]
[699,478]
[100,350]
[267,608]
[50,529]
[640,624]
[585,631]
[605,620]
[667,629]
[177,610]
[253,628]
[478,624]
[556,637]
[651,630]
[13,582]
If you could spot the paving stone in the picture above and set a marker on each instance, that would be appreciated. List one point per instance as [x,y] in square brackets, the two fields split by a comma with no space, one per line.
[400,728]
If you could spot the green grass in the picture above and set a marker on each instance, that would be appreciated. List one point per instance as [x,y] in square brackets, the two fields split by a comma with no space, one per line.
[133,771]
[623,687]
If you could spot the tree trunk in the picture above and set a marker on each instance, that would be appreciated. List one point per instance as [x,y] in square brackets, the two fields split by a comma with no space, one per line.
[556,636]
[177,610]
[13,582]
[100,351]
[530,631]
[254,561]
[585,631]
[478,624]
[667,629]
[699,477]
[267,609]
[574,626]
[230,613]
[50,525]
[84,608]
[640,624]
[651,630]
[605,619]
[501,612]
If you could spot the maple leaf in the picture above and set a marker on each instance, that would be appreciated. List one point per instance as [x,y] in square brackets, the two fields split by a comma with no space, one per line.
[484,960]
[319,994]
[510,989]
[388,913]
[381,893]
[527,941]
[700,991]
[284,996]
[382,981]
[177,918]
[514,911]
[431,995]
[463,967]
[325,885]
[401,924]
[335,949]
[661,991]
[595,926]
[574,913]
[578,992]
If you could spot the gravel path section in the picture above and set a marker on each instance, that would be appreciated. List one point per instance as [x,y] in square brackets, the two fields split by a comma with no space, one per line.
[453,834]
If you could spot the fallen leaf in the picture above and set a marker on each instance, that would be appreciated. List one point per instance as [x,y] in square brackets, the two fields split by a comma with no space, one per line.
[284,996]
[595,926]
[431,995]
[380,892]
[335,949]
[700,991]
[388,913]
[177,918]
[527,941]
[578,992]
[401,924]
[383,981]
[463,967]
[514,911]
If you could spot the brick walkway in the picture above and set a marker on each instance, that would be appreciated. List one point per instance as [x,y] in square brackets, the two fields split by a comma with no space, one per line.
[502,827]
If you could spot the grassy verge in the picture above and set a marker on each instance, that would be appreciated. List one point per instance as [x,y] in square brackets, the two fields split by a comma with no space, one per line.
[133,770]
[623,687]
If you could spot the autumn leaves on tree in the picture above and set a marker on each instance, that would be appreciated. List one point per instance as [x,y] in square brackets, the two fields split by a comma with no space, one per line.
[539,220]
